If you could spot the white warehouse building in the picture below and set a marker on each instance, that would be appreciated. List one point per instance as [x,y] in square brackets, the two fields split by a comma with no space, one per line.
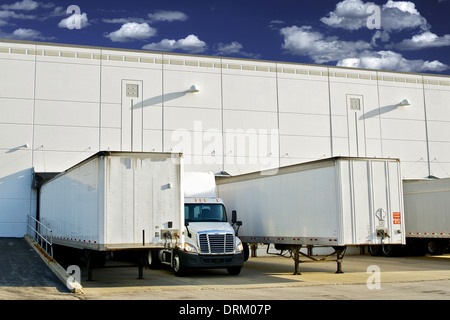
[60,104]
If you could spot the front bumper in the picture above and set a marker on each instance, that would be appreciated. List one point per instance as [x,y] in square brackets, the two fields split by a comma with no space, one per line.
[192,260]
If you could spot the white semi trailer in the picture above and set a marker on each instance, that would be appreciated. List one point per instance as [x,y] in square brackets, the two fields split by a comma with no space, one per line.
[132,201]
[335,202]
[116,201]
[427,214]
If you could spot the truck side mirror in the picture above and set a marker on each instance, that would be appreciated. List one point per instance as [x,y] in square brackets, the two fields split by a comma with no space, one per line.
[239,223]
[233,216]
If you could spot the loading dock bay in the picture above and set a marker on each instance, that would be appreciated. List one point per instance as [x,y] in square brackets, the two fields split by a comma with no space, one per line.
[262,278]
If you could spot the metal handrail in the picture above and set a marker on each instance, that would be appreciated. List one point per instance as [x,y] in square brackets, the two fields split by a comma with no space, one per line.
[42,234]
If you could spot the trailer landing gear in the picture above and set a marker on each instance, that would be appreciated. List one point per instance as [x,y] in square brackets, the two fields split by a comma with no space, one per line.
[340,251]
[96,259]
[296,256]
[295,252]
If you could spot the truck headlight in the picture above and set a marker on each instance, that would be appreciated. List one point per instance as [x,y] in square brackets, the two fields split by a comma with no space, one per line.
[239,247]
[189,248]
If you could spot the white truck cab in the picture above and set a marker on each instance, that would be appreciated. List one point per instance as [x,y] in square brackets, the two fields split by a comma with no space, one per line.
[208,239]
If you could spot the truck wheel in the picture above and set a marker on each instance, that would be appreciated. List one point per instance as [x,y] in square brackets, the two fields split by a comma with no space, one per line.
[374,251]
[389,250]
[178,269]
[434,247]
[234,271]
[246,251]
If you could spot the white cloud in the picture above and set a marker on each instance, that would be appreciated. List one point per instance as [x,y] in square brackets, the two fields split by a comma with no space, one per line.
[388,60]
[304,41]
[132,31]
[168,16]
[191,44]
[423,41]
[229,48]
[382,35]
[159,16]
[56,12]
[276,24]
[233,48]
[405,6]
[124,20]
[26,5]
[25,34]
[6,15]
[73,21]
[400,15]
[348,14]
[28,34]
[395,15]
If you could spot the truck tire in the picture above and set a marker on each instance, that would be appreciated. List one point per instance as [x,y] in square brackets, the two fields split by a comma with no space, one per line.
[374,250]
[415,247]
[434,247]
[389,250]
[246,251]
[178,269]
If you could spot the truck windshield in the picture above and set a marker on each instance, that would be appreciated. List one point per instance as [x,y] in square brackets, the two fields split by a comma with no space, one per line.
[205,212]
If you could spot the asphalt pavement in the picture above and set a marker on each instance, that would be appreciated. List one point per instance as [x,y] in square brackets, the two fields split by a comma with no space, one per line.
[23,275]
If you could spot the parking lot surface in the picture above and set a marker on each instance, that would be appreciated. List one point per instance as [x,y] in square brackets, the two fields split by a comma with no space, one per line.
[262,278]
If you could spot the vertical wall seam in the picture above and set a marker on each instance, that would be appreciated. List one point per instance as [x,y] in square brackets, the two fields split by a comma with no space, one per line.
[379,115]
[426,127]
[331,115]
[222,115]
[278,114]
[100,104]
[33,120]
[162,104]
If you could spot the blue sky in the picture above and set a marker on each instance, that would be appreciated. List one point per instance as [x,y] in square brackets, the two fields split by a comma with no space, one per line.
[411,36]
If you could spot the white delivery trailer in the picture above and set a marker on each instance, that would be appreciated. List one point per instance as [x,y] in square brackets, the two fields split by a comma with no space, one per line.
[116,201]
[427,215]
[335,202]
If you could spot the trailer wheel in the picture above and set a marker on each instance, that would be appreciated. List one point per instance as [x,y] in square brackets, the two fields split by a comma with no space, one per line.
[434,247]
[389,250]
[374,251]
[178,269]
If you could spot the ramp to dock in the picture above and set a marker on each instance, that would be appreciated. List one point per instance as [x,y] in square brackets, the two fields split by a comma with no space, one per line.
[22,267]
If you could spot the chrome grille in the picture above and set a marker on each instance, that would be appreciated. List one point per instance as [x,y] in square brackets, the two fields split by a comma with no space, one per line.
[216,243]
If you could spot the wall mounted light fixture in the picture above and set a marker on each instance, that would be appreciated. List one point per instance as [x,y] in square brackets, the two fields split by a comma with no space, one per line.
[194,89]
[405,103]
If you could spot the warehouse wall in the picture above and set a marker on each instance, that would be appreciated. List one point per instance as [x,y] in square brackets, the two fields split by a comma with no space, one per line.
[61,104]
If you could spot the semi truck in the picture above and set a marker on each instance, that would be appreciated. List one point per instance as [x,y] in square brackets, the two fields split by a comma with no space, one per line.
[334,202]
[210,241]
[134,202]
[427,215]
